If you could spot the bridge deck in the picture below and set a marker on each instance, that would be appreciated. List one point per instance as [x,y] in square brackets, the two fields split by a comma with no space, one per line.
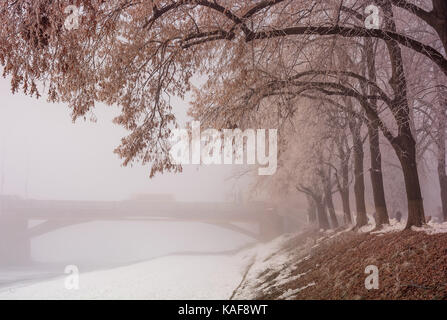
[134,210]
[15,213]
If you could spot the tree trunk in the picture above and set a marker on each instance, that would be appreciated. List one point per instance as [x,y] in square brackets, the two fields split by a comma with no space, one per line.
[344,194]
[443,186]
[404,144]
[311,210]
[374,144]
[344,187]
[323,222]
[330,206]
[359,188]
[441,135]
[376,175]
[439,22]
[359,179]
[406,152]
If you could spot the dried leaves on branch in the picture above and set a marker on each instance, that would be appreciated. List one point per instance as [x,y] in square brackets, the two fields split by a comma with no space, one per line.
[259,60]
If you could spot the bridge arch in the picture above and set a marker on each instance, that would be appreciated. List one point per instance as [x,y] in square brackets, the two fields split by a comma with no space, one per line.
[16,213]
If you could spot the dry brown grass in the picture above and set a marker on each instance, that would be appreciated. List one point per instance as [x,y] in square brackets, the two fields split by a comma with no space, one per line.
[412,265]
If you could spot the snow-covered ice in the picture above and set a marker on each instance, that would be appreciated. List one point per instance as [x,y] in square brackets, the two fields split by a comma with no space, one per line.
[175,277]
[172,277]
[206,276]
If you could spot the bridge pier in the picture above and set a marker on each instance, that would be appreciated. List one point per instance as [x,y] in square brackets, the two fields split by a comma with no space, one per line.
[15,243]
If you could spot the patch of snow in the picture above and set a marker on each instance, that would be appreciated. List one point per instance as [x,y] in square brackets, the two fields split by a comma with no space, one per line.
[430,228]
[320,239]
[303,259]
[271,260]
[394,226]
[369,226]
[339,233]
[267,259]
[433,228]
[285,279]
[290,293]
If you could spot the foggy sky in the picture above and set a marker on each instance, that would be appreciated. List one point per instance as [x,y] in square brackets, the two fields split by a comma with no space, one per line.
[46,156]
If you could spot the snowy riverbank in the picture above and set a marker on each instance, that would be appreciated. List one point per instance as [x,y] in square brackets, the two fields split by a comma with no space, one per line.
[178,277]
[292,266]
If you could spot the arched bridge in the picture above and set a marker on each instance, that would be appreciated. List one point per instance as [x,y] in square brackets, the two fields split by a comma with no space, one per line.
[16,213]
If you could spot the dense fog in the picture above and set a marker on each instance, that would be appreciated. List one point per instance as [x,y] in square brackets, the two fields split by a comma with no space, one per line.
[45,156]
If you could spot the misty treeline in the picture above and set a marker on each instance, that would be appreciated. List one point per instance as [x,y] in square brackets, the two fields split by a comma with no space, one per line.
[343,97]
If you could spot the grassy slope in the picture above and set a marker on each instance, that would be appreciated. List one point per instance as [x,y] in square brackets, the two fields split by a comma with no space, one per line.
[412,265]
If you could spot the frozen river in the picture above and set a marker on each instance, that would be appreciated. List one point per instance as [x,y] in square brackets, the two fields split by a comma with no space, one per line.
[170,277]
[131,260]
